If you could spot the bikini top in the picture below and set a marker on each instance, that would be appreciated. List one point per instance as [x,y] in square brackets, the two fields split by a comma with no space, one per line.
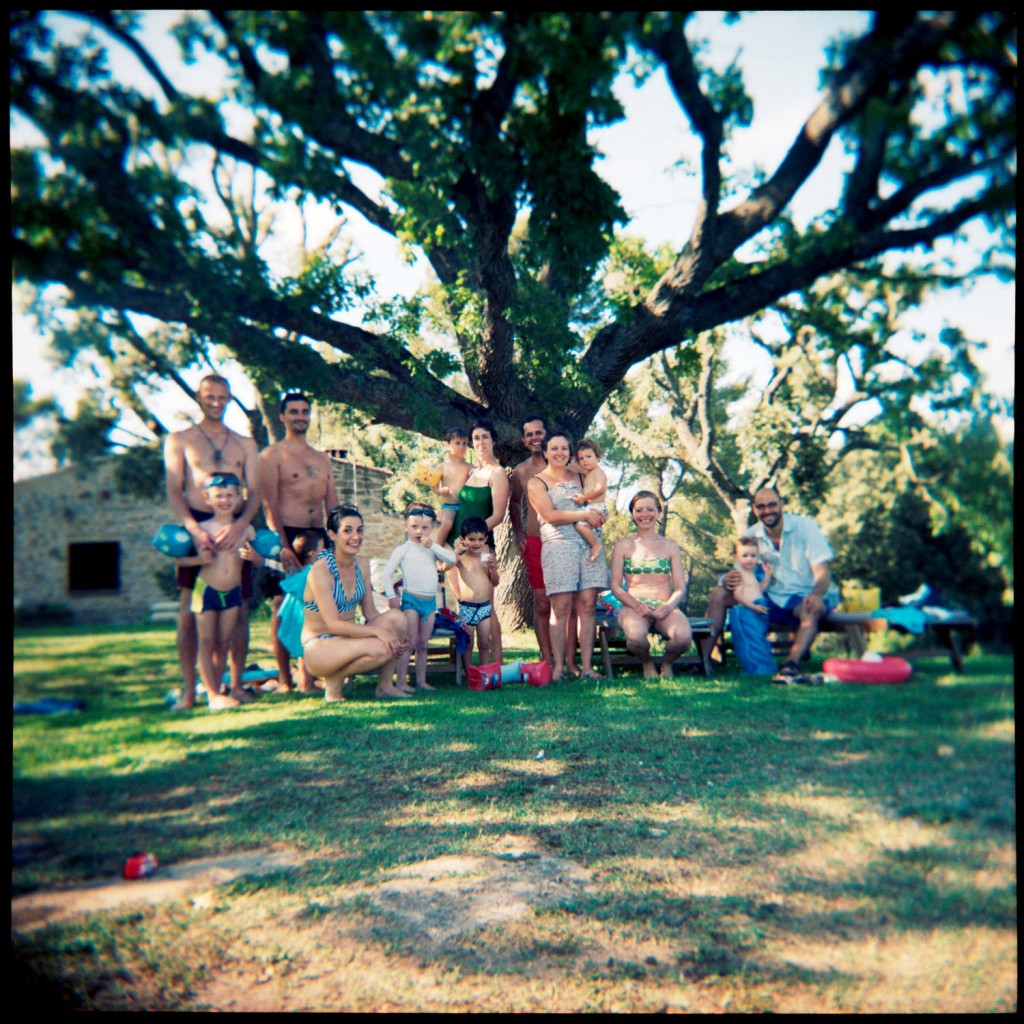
[643,566]
[341,599]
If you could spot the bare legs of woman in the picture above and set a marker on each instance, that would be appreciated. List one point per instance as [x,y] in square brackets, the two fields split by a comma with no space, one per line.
[334,659]
[586,602]
[636,629]
[562,608]
[675,628]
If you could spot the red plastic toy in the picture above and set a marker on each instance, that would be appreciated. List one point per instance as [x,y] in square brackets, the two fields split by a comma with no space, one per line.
[887,672]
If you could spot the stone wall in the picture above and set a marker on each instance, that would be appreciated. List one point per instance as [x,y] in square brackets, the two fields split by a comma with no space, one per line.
[55,512]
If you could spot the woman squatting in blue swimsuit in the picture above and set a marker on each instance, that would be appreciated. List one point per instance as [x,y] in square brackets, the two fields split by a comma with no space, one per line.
[334,645]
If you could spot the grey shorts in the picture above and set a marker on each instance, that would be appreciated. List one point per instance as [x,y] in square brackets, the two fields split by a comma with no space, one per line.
[568,569]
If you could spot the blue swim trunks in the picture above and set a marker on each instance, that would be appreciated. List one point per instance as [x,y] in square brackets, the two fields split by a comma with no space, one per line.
[783,614]
[423,606]
[208,599]
[472,613]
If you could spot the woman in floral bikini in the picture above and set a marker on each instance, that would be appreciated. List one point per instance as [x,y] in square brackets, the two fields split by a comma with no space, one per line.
[647,578]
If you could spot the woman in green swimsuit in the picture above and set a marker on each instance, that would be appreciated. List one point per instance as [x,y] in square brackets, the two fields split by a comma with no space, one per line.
[485,494]
[647,578]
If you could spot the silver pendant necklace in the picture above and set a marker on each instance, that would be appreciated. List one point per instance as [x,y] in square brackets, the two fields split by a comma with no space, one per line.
[218,453]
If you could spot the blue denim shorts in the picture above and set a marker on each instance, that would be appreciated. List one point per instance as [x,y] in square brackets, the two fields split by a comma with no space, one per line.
[783,614]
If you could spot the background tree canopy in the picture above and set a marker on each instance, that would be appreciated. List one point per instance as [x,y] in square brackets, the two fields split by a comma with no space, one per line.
[166,200]
[151,208]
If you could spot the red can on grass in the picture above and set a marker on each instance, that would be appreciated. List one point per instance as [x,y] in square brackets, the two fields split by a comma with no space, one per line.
[140,865]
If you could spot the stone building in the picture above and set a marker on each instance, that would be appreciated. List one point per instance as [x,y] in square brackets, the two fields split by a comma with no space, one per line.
[82,545]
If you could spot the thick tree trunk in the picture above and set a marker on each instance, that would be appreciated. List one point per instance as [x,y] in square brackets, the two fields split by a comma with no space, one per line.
[513,600]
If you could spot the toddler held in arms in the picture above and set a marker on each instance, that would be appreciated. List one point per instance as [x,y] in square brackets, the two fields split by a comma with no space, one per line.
[595,490]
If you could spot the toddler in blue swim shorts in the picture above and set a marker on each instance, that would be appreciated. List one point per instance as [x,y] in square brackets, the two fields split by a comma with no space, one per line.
[417,559]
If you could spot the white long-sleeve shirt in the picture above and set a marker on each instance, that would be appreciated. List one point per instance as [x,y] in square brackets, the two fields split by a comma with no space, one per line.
[419,568]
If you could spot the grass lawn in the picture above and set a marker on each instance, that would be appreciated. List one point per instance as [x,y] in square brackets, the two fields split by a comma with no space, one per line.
[704,845]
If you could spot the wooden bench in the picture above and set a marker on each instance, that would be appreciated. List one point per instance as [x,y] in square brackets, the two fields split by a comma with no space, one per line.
[855,625]
[612,644]
[443,654]
[947,630]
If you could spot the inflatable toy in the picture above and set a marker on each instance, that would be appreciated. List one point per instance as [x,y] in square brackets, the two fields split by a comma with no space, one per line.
[484,677]
[536,673]
[429,475]
[887,671]
[491,676]
[174,541]
[253,674]
[267,543]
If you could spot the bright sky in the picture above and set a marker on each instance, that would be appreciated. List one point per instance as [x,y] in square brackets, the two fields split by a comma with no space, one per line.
[641,155]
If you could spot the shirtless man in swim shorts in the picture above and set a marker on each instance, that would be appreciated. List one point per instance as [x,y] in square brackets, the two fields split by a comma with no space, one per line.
[191,457]
[298,488]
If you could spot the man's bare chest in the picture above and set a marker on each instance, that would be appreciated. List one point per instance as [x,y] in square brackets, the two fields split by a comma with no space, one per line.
[206,456]
[303,473]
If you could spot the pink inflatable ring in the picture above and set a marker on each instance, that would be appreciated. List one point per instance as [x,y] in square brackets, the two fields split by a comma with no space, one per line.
[888,671]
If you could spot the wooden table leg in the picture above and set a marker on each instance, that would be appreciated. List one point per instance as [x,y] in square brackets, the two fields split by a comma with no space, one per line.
[947,637]
[606,656]
[855,642]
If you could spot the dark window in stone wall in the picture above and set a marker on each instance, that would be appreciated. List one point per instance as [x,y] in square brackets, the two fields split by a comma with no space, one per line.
[94,566]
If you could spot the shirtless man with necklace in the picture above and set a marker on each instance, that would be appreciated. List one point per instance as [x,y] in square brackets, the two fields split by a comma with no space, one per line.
[191,457]
[298,488]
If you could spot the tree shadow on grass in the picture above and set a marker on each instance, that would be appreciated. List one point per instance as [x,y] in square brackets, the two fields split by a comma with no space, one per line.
[650,788]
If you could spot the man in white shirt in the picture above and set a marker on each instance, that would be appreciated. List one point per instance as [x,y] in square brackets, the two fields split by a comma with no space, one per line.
[800,592]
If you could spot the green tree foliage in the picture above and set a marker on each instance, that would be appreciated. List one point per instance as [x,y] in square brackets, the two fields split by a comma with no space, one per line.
[25,408]
[848,412]
[898,546]
[465,136]
[85,437]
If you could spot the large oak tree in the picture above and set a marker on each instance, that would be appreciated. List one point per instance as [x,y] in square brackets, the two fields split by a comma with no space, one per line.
[477,125]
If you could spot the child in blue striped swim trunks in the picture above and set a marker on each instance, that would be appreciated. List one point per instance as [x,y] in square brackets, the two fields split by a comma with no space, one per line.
[477,569]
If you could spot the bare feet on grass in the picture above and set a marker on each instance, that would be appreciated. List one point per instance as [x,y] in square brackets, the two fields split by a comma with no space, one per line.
[222,701]
[385,691]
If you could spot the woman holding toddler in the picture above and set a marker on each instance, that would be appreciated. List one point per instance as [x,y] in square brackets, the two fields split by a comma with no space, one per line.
[570,573]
